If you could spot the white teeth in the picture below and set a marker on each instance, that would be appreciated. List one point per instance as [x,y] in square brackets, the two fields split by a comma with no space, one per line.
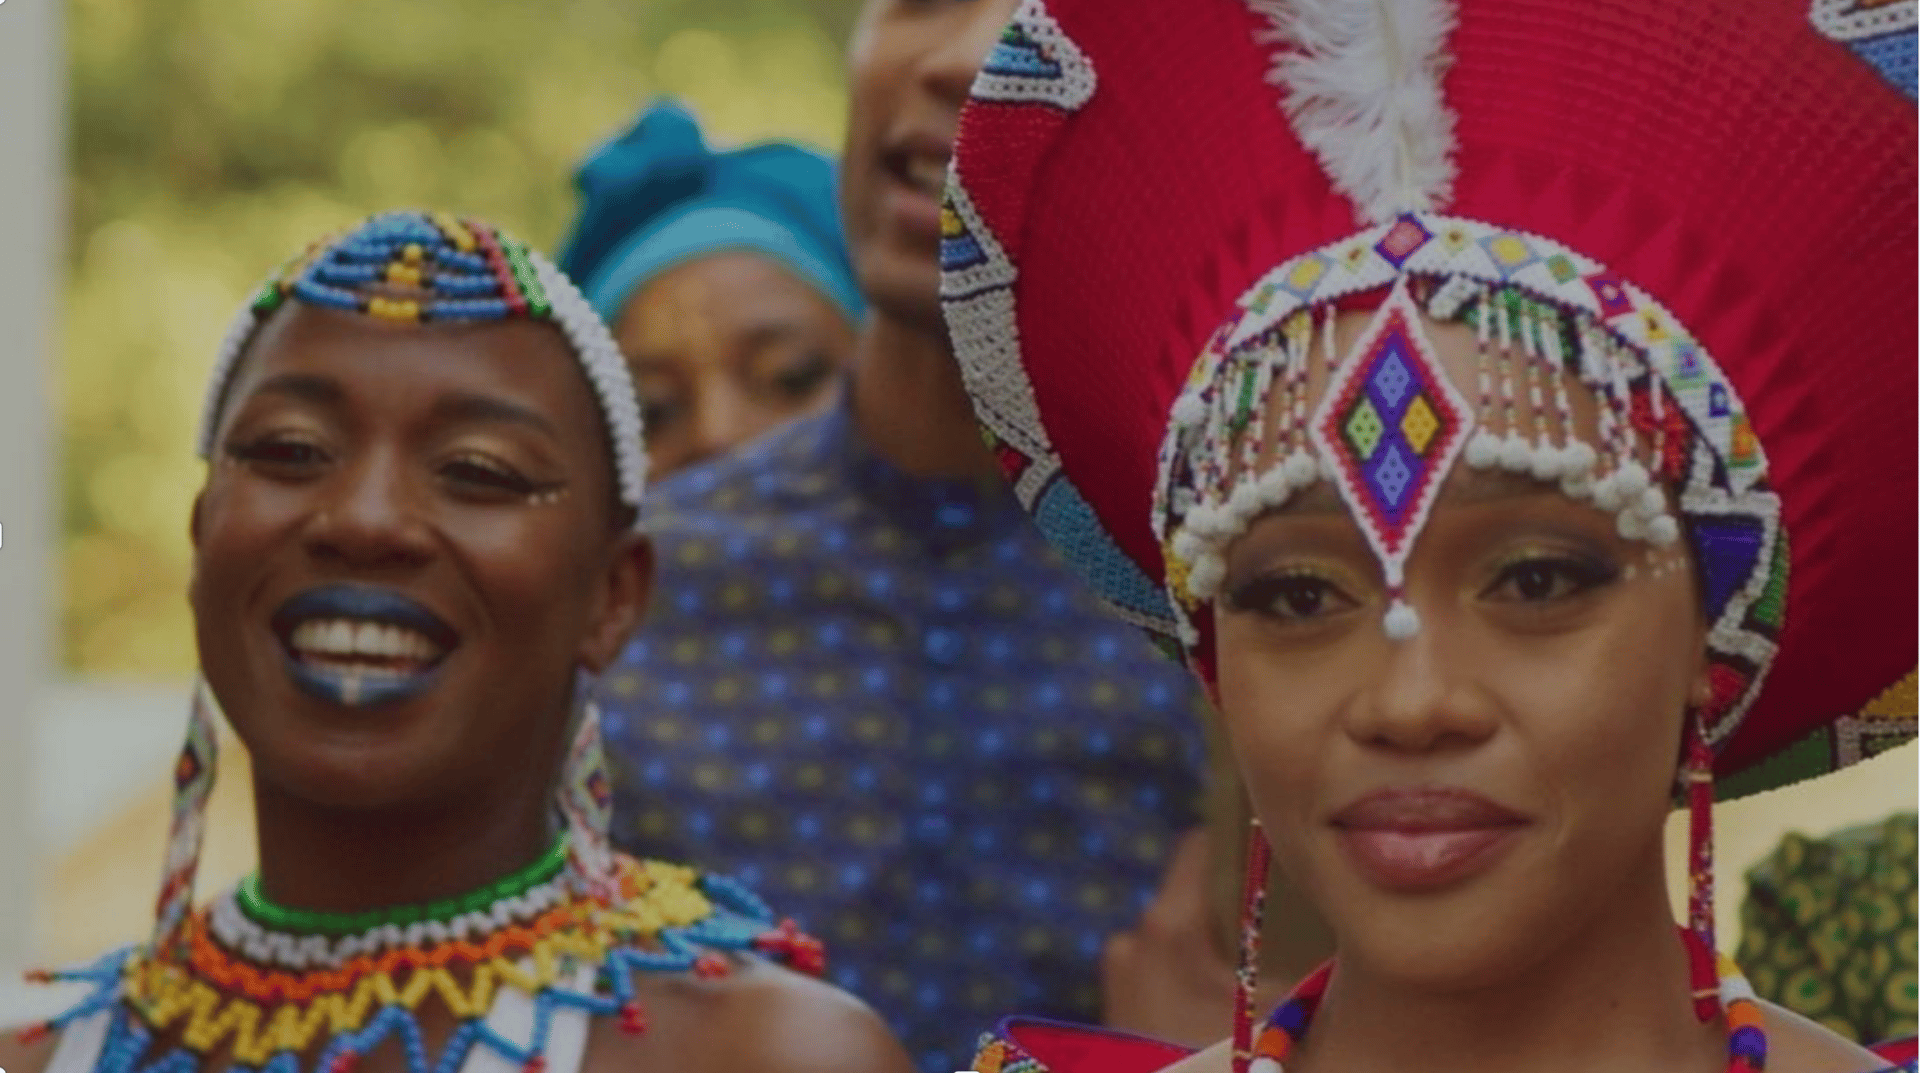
[928,174]
[346,638]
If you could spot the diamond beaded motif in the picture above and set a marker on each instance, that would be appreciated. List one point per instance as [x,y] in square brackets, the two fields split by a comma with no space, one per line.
[1392,425]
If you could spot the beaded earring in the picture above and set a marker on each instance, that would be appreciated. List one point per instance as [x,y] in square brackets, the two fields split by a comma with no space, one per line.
[193,776]
[1253,912]
[1697,775]
[585,800]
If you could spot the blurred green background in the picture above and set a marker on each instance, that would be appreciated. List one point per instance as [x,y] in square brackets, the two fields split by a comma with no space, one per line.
[211,139]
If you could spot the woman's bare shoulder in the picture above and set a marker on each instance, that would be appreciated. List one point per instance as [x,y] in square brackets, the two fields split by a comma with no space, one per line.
[1798,1045]
[18,1057]
[1215,1059]
[760,1016]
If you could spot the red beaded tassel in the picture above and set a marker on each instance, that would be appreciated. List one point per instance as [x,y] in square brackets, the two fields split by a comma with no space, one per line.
[1253,906]
[1698,773]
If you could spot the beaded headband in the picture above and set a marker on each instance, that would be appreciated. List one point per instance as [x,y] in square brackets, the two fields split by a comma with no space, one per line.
[1390,425]
[463,270]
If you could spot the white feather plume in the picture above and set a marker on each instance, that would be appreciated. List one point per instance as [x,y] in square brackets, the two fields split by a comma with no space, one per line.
[1362,90]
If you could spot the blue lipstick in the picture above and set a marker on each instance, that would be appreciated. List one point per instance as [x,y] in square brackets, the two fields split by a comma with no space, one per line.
[352,680]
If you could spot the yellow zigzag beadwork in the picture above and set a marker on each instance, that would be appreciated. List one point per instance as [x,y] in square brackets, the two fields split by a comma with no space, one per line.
[264,1013]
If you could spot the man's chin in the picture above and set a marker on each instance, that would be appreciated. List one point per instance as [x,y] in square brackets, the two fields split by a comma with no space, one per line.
[905,289]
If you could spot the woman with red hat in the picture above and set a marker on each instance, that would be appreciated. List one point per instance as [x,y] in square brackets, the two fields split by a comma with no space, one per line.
[1506,409]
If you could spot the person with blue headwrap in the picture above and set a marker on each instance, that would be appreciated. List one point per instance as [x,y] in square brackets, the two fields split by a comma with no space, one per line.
[725,277]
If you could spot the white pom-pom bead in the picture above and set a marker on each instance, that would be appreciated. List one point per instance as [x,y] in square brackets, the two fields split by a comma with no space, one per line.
[1208,522]
[1188,411]
[1580,457]
[1483,450]
[1302,469]
[1546,462]
[1652,503]
[1265,1065]
[1663,531]
[1203,580]
[1187,546]
[1631,526]
[1274,488]
[1606,493]
[1633,480]
[1243,503]
[1516,454]
[1578,486]
[1402,621]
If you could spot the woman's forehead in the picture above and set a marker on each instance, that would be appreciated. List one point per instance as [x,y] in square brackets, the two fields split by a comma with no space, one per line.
[529,355]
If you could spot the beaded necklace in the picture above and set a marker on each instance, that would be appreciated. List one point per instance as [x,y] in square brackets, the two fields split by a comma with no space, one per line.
[1746,1039]
[520,964]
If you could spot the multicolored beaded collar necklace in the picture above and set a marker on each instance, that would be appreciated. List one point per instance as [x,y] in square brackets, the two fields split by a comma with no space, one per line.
[521,964]
[1746,1039]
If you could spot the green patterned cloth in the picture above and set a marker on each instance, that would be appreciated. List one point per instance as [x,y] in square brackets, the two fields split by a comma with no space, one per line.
[1827,929]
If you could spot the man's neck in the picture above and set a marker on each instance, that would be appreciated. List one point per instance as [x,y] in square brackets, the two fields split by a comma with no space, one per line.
[910,405]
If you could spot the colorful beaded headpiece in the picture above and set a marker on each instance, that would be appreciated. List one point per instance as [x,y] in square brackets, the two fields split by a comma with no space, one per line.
[422,267]
[1444,165]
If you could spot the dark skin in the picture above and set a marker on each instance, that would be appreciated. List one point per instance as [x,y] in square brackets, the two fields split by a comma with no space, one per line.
[912,62]
[723,349]
[466,468]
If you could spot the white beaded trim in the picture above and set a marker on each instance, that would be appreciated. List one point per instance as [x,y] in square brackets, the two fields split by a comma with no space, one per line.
[1073,88]
[1850,20]
[236,931]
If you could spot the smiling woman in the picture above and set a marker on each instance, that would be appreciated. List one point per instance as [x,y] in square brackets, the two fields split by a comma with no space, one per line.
[416,533]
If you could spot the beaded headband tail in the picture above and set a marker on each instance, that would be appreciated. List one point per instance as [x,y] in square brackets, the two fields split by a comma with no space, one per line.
[193,776]
[585,801]
[424,267]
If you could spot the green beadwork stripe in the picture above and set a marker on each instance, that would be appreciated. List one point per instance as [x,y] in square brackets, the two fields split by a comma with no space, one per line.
[319,922]
[1770,609]
[529,280]
[1243,406]
[1807,758]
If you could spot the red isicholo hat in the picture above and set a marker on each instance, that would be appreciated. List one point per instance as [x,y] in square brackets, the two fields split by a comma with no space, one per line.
[1703,211]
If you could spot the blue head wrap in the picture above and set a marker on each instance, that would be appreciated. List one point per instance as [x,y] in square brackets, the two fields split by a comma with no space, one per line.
[656,197]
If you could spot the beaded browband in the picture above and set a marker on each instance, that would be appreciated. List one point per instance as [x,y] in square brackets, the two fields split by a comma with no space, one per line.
[1671,437]
[421,267]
